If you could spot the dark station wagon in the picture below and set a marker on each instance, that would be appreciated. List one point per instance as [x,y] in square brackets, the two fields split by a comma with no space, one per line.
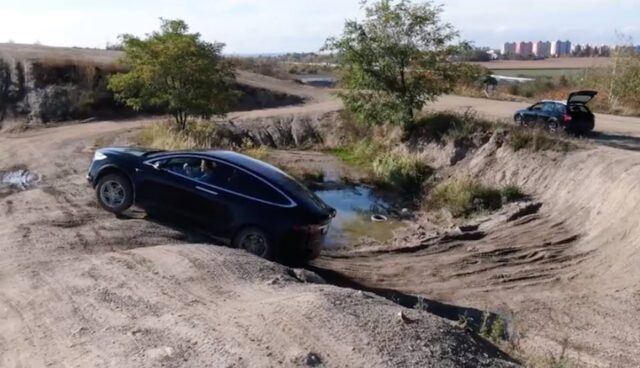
[237,200]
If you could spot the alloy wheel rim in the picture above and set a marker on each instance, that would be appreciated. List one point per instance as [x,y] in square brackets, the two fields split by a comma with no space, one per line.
[112,194]
[255,243]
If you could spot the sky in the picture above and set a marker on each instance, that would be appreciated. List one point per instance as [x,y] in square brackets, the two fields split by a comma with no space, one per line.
[270,26]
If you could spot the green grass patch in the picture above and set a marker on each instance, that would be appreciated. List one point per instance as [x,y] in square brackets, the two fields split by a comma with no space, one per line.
[402,171]
[465,197]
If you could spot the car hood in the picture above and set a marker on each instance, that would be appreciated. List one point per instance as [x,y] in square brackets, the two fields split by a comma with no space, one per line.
[581,97]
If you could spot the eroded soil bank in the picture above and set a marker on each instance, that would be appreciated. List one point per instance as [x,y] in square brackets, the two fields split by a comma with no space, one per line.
[81,287]
[561,268]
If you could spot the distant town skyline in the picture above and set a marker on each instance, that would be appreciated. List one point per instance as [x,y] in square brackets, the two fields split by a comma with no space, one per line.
[257,26]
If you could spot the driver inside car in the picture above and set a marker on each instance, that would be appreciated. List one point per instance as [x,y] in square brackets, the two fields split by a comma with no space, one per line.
[206,168]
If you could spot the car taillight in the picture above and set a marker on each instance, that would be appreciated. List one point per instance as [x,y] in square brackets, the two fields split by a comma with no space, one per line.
[566,118]
[312,229]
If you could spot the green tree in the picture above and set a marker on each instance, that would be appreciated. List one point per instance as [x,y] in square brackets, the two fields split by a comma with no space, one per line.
[175,71]
[394,61]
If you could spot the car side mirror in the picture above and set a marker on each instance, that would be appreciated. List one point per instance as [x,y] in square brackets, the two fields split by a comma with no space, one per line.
[157,165]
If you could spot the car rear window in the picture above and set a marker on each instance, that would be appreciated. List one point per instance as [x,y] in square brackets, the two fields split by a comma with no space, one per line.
[249,185]
[243,183]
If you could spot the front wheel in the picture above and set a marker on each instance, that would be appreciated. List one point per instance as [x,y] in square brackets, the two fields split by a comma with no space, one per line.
[114,193]
[254,241]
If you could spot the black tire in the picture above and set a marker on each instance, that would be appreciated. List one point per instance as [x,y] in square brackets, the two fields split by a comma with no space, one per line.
[554,127]
[254,241]
[114,193]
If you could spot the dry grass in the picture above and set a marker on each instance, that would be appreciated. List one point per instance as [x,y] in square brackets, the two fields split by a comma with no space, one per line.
[551,63]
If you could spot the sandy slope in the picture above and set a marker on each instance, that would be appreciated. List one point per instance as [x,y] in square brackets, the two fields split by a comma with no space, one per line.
[79,287]
[566,275]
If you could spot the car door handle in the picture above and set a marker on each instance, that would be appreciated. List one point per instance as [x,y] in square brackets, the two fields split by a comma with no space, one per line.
[206,190]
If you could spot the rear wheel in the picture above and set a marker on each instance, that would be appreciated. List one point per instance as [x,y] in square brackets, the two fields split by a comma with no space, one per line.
[254,241]
[554,127]
[114,193]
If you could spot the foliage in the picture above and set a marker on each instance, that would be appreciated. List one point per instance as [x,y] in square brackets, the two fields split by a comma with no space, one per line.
[512,193]
[175,71]
[465,197]
[392,169]
[438,125]
[494,331]
[359,154]
[401,171]
[624,75]
[537,139]
[394,61]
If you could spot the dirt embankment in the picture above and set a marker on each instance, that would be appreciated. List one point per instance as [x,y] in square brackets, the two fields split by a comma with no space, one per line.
[81,287]
[41,84]
[563,272]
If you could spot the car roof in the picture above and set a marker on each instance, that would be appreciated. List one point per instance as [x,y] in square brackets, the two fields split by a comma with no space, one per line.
[555,101]
[263,169]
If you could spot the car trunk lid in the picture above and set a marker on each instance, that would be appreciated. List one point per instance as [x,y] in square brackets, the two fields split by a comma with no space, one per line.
[581,97]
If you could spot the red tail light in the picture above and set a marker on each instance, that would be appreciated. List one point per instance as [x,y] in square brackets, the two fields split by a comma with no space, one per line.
[308,229]
[312,229]
[566,118]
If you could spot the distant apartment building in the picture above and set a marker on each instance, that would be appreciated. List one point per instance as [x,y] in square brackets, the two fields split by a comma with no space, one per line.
[524,49]
[541,49]
[560,48]
[509,49]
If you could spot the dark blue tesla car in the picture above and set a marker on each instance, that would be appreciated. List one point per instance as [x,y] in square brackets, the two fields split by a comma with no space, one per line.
[240,201]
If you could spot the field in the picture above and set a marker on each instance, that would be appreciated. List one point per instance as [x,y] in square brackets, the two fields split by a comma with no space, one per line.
[559,63]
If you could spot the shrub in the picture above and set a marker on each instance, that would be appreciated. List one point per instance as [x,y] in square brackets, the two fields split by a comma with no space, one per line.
[401,171]
[437,126]
[512,193]
[359,154]
[464,197]
[537,139]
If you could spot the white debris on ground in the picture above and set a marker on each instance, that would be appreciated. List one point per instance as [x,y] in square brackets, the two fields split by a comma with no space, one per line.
[18,179]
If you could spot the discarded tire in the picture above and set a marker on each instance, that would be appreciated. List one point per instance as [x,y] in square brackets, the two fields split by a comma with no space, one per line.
[379,218]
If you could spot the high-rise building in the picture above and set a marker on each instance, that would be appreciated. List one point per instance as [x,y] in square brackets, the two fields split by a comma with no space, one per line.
[524,49]
[542,49]
[509,49]
[560,48]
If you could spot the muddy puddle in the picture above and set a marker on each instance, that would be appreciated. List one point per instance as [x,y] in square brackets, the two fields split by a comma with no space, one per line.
[355,208]
[17,180]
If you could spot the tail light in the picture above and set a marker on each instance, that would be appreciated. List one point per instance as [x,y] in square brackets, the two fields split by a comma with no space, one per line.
[311,229]
[566,118]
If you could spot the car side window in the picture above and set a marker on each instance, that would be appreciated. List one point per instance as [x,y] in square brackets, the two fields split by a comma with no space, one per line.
[537,107]
[549,107]
[560,108]
[247,184]
[214,172]
[186,166]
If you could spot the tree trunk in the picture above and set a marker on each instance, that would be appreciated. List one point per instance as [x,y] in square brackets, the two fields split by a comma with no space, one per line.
[181,119]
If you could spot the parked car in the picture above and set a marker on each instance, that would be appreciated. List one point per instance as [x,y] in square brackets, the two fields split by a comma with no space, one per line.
[572,115]
[240,201]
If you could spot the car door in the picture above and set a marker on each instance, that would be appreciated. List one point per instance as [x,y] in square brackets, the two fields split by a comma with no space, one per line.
[166,186]
[176,186]
[531,115]
[547,113]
